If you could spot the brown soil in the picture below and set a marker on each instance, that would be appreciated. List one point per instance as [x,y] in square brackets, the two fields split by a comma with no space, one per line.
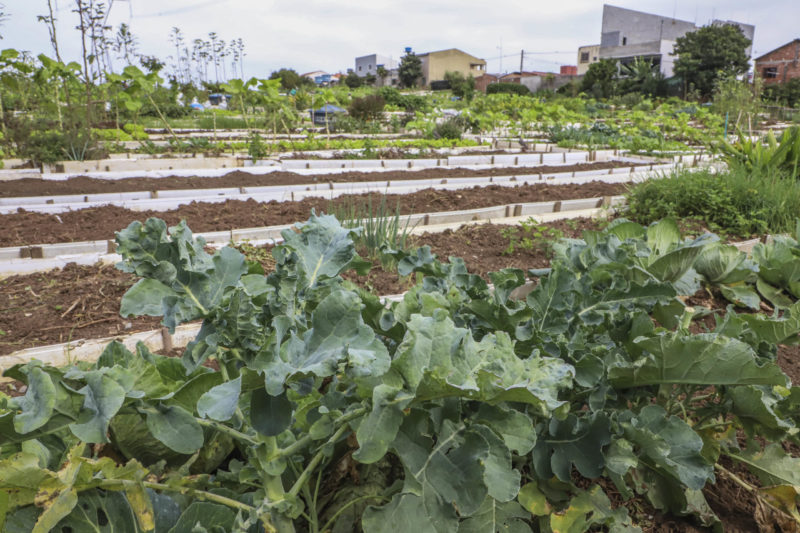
[237,178]
[41,309]
[78,302]
[26,228]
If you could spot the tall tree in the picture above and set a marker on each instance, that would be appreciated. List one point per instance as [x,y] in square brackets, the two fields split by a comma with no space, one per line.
[599,79]
[410,70]
[709,53]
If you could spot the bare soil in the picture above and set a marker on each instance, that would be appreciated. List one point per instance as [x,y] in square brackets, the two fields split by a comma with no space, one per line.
[82,302]
[26,228]
[237,178]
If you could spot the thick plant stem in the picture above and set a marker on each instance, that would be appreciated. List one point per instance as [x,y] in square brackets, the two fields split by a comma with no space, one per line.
[163,119]
[314,463]
[306,440]
[752,489]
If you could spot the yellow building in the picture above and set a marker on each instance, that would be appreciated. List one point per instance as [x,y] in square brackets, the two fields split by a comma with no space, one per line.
[436,64]
[586,56]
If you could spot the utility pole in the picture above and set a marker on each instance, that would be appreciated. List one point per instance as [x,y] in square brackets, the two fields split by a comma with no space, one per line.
[521,61]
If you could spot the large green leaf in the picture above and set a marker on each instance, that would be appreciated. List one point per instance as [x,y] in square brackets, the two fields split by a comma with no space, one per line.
[450,471]
[773,465]
[407,513]
[495,517]
[377,431]
[270,415]
[724,263]
[669,445]
[220,402]
[663,235]
[322,249]
[176,428]
[703,359]
[206,515]
[189,281]
[37,405]
[338,336]
[489,370]
[103,397]
[577,441]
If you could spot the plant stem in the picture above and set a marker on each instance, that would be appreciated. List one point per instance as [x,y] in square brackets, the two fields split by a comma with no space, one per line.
[222,428]
[306,440]
[345,506]
[315,461]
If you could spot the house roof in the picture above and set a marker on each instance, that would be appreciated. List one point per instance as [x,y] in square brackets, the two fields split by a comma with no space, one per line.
[449,50]
[775,50]
[313,73]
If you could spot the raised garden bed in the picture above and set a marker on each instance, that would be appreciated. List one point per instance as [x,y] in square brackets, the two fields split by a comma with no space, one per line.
[25,228]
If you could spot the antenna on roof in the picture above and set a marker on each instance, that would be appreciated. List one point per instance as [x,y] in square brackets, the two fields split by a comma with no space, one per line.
[675,10]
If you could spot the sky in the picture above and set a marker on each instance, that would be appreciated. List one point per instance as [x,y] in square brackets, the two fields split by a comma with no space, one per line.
[327,35]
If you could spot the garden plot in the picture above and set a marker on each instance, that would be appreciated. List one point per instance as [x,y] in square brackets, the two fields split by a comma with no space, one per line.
[603,318]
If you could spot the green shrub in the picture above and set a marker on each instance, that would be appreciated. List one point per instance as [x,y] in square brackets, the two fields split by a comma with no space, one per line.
[510,88]
[111,135]
[452,128]
[136,131]
[736,202]
[368,108]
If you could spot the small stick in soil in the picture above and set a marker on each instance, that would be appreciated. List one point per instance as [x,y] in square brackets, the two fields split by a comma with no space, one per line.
[71,307]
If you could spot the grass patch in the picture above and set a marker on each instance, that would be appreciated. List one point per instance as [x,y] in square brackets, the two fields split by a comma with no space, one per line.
[736,202]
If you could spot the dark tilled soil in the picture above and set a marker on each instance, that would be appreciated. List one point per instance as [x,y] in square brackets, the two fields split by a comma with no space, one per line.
[237,178]
[34,308]
[78,302]
[26,228]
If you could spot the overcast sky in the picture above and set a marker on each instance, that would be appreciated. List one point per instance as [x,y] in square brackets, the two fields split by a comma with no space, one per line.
[328,34]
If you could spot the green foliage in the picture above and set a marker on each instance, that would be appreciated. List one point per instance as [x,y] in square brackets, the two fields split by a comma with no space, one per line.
[458,406]
[787,93]
[410,70]
[256,148]
[508,88]
[451,128]
[530,236]
[290,79]
[642,77]
[599,79]
[733,202]
[353,80]
[709,53]
[739,100]
[461,86]
[368,108]
[771,158]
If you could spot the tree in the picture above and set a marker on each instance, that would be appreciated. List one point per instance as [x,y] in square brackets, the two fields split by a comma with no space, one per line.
[290,79]
[382,74]
[599,79]
[410,70]
[461,86]
[642,76]
[709,53]
[353,80]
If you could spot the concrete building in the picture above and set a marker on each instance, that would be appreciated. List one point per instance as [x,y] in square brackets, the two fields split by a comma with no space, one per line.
[780,65]
[436,64]
[628,34]
[366,65]
[586,56]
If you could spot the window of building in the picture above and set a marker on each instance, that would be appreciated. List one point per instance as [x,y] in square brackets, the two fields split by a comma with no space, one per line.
[771,72]
[584,57]
[369,66]
[359,68]
[624,41]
